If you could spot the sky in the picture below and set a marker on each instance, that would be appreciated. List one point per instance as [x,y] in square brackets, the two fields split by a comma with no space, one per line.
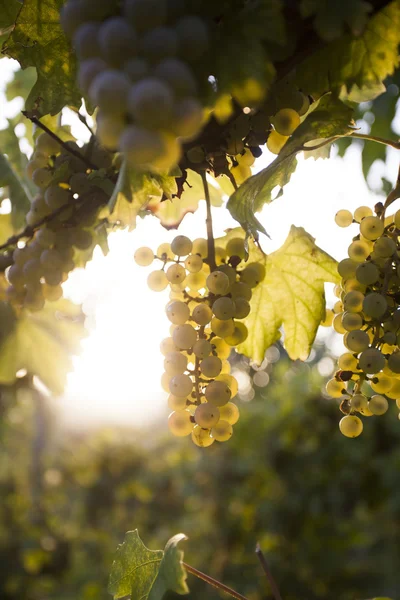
[116,378]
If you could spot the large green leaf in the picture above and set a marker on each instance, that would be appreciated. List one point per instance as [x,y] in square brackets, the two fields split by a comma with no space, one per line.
[364,60]
[9,10]
[172,574]
[42,343]
[17,192]
[291,295]
[38,40]
[331,117]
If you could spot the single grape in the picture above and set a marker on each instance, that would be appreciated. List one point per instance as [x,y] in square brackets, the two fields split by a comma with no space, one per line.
[200,247]
[176,403]
[381,383]
[230,381]
[357,341]
[42,178]
[51,259]
[206,415]
[184,336]
[242,309]
[351,321]
[358,251]
[238,336]
[359,402]
[224,308]
[218,283]
[194,263]
[343,218]
[181,385]
[335,388]
[378,405]
[218,393]
[201,437]
[176,273]
[181,245]
[196,281]
[178,312]
[375,305]
[367,273]
[286,121]
[175,363]
[164,252]
[372,228]
[47,145]
[222,431]
[348,362]
[240,290]
[109,90]
[117,41]
[253,274]
[86,41]
[180,423]
[157,281]
[361,212]
[211,366]
[167,345]
[222,329]
[150,103]
[202,349]
[384,247]
[230,413]
[276,141]
[347,268]
[144,256]
[351,426]
[394,362]
[372,360]
[202,314]
[353,301]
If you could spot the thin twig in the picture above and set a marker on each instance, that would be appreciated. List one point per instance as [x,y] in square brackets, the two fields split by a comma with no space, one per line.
[375,138]
[214,582]
[64,145]
[274,588]
[210,235]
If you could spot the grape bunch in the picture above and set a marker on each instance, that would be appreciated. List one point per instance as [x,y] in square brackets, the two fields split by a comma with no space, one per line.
[205,309]
[61,215]
[367,313]
[138,61]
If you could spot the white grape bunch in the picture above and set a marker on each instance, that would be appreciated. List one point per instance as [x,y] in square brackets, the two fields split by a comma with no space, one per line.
[61,218]
[205,310]
[367,314]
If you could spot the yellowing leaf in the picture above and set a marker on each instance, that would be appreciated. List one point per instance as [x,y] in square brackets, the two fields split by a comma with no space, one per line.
[291,295]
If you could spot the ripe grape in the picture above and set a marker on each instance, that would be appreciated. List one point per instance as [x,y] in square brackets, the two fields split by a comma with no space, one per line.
[286,121]
[372,360]
[372,228]
[181,385]
[343,218]
[167,345]
[348,362]
[358,251]
[157,281]
[374,305]
[218,393]
[194,263]
[181,245]
[206,415]
[230,413]
[242,308]
[178,312]
[394,362]
[202,348]
[180,423]
[218,283]
[357,341]
[351,426]
[367,273]
[109,91]
[224,308]
[378,405]
[117,40]
[359,402]
[201,437]
[335,388]
[351,321]
[202,314]
[235,247]
[384,247]
[176,273]
[211,366]
[276,141]
[222,328]
[353,301]
[143,256]
[175,363]
[184,336]
[176,403]
[361,212]
[381,383]
[222,431]
[240,290]
[347,268]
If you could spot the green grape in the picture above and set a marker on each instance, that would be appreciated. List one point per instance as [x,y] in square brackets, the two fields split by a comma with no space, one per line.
[238,336]
[143,256]
[347,268]
[53,276]
[359,402]
[394,362]
[176,403]
[276,141]
[206,415]
[164,252]
[338,307]
[218,393]
[150,103]
[222,431]
[16,276]
[240,173]
[235,247]
[220,256]
[351,321]
[42,178]
[184,336]
[230,272]
[246,159]
[176,273]
[372,361]
[218,283]
[343,218]
[202,349]
[253,274]
[45,237]
[384,247]
[109,91]
[378,405]
[335,388]
[178,312]
[180,423]
[222,329]
[194,263]
[52,293]
[196,155]
[141,146]
[358,251]
[81,239]
[351,426]
[201,437]
[357,341]
[167,345]
[221,347]
[381,383]
[51,259]
[211,366]
[181,245]
[375,305]
[157,281]
[352,285]
[367,273]
[242,309]
[230,381]
[202,314]
[240,290]
[196,281]
[361,212]
[353,301]
[230,413]
[175,363]
[348,362]
[47,145]
[181,385]
[286,121]
[224,308]
[200,247]
[372,228]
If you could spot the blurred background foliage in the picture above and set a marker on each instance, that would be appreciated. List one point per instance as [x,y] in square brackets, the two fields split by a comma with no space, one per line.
[326,509]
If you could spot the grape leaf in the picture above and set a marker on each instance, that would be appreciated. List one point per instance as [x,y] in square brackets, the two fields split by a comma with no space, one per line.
[134,569]
[332,19]
[365,60]
[39,41]
[42,343]
[291,295]
[172,574]
[330,117]
[17,192]
[9,10]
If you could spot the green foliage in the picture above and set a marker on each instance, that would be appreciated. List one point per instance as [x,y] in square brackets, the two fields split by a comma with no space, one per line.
[38,41]
[329,118]
[16,191]
[291,294]
[9,10]
[332,20]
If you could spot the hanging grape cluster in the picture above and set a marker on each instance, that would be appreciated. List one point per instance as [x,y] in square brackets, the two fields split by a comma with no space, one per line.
[205,309]
[68,204]
[367,313]
[137,65]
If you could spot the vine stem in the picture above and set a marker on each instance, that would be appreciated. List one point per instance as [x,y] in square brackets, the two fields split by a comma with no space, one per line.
[214,582]
[353,134]
[274,588]
[210,235]
[34,119]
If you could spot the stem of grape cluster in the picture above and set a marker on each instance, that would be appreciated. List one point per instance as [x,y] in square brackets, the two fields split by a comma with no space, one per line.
[214,582]
[210,235]
[274,588]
